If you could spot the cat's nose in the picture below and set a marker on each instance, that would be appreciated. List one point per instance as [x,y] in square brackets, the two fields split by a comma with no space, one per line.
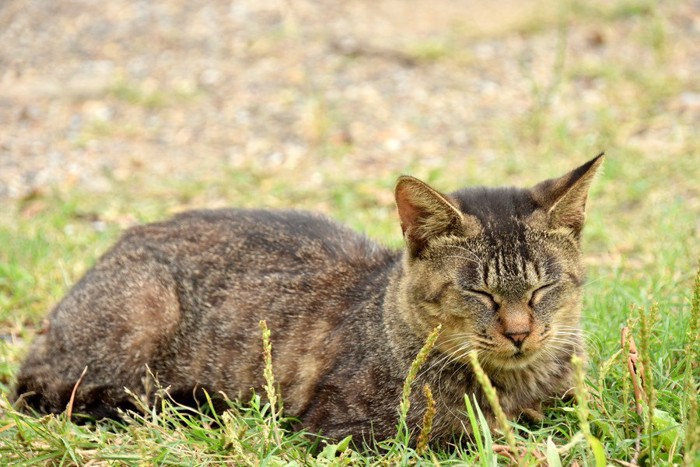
[517,338]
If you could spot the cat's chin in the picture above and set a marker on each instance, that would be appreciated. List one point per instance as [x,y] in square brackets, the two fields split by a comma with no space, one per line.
[516,361]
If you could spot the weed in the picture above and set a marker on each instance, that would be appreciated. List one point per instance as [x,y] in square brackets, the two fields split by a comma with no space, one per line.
[492,397]
[404,432]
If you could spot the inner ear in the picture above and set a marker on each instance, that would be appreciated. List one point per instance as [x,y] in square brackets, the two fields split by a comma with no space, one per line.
[425,214]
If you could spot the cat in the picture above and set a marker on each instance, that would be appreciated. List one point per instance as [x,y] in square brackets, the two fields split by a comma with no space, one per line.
[498,268]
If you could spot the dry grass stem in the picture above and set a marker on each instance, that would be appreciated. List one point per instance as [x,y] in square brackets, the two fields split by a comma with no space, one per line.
[416,365]
[270,389]
[646,324]
[69,409]
[635,368]
[424,436]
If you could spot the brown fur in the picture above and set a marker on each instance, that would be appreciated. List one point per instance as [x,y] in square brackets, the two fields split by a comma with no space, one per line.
[499,268]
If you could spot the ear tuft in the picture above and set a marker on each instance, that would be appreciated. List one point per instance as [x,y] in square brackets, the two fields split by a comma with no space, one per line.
[564,199]
[425,214]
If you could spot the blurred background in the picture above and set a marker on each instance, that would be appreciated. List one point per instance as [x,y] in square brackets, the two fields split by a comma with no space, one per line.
[113,113]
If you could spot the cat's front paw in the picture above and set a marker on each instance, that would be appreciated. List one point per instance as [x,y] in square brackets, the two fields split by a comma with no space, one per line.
[532,414]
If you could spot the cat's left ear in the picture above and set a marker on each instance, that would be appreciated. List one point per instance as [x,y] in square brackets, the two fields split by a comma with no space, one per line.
[564,199]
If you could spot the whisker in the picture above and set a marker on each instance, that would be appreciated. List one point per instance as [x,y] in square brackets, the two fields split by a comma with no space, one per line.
[449,356]
[597,279]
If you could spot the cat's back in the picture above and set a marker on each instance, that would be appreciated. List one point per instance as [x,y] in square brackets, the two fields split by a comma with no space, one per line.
[252,239]
[318,285]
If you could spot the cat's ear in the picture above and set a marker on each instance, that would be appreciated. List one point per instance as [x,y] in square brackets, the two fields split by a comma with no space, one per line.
[425,214]
[564,199]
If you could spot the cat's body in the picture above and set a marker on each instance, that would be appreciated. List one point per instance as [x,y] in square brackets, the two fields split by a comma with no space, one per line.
[183,299]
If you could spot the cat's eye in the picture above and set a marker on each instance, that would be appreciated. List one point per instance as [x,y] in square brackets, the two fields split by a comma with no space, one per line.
[485,297]
[539,292]
[436,296]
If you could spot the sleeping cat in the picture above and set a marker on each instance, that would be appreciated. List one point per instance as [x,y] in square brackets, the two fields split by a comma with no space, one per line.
[498,268]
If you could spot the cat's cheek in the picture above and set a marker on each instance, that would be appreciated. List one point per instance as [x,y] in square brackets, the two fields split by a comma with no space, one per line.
[431,309]
[567,314]
[459,313]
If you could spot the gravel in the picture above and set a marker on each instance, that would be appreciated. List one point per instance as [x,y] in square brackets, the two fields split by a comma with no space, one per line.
[93,92]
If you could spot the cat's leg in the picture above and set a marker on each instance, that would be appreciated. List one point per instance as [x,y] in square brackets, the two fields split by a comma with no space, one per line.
[39,386]
[42,389]
[110,325]
[533,414]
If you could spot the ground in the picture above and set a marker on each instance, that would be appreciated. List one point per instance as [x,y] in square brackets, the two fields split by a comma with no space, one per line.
[121,112]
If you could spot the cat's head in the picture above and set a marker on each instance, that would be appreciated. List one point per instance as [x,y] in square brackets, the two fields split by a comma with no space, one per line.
[499,268]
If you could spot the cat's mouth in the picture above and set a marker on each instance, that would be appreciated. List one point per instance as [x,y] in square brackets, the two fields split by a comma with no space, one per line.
[518,359]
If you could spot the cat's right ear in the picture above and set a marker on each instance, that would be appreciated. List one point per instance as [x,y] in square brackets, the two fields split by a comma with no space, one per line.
[425,214]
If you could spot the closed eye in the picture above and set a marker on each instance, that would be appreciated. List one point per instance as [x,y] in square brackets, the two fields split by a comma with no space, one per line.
[436,296]
[538,293]
[484,297]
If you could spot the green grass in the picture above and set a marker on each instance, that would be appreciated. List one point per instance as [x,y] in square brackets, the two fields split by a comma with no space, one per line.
[642,244]
[641,256]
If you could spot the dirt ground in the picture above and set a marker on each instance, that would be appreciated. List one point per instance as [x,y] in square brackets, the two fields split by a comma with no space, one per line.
[94,92]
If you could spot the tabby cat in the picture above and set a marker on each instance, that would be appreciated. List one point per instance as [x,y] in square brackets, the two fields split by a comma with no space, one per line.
[498,268]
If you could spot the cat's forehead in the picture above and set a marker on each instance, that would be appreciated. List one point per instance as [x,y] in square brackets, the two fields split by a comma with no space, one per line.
[514,254]
[497,209]
[511,251]
[510,219]
[516,259]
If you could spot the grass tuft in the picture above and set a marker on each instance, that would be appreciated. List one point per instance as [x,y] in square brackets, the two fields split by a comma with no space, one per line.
[492,397]
[647,321]
[480,433]
[691,384]
[581,394]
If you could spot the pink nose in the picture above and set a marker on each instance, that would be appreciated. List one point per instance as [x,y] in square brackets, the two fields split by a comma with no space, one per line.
[517,338]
